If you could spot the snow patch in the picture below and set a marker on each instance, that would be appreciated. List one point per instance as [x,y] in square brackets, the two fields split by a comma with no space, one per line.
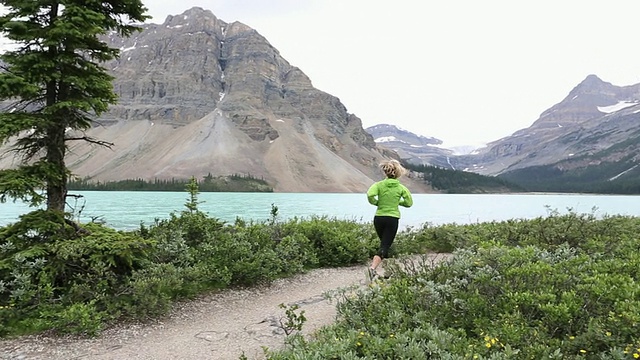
[624,172]
[221,96]
[450,164]
[385,139]
[613,108]
[462,149]
[123,49]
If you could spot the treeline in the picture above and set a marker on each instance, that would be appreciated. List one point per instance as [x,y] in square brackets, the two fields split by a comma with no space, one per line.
[462,182]
[209,183]
[621,177]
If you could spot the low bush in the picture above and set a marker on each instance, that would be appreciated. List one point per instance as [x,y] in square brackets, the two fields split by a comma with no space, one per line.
[525,294]
[556,287]
[51,276]
[336,242]
[55,278]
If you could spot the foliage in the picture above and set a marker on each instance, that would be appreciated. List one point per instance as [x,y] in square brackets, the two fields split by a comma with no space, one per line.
[336,242]
[294,321]
[552,230]
[610,171]
[462,182]
[53,277]
[193,190]
[209,183]
[55,85]
[558,288]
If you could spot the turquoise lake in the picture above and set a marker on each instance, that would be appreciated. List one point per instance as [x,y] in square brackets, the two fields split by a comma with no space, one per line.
[126,210]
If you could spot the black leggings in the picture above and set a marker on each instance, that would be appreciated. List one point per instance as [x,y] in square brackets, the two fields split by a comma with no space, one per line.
[386,228]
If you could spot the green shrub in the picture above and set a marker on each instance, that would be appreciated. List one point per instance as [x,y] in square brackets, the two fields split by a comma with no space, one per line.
[297,254]
[77,318]
[441,239]
[250,255]
[150,292]
[570,296]
[53,277]
[561,287]
[336,242]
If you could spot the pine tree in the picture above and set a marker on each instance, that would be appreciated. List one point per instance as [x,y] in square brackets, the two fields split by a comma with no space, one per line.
[53,87]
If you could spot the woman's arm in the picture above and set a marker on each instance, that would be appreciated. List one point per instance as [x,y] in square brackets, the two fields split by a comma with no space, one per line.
[407,200]
[372,194]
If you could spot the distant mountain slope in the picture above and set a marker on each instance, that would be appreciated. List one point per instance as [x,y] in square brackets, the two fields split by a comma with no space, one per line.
[588,142]
[589,123]
[614,170]
[412,148]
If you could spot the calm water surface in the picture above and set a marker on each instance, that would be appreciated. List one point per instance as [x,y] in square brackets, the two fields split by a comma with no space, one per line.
[126,210]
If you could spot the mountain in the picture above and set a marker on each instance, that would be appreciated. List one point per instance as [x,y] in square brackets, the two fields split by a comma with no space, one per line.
[413,148]
[200,96]
[588,142]
[584,128]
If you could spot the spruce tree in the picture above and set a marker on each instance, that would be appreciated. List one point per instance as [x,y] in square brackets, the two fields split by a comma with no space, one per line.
[53,87]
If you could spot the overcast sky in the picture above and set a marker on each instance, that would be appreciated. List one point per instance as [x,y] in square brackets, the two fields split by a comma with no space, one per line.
[465,71]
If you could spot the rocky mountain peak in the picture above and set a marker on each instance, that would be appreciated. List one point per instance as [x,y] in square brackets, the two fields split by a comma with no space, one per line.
[592,82]
[584,102]
[388,133]
[593,91]
[195,13]
[198,95]
[411,147]
[198,19]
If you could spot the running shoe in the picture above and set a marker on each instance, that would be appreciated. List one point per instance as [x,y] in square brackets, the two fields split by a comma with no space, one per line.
[370,275]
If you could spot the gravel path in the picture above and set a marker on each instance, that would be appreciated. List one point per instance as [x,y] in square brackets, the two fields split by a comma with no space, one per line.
[220,326]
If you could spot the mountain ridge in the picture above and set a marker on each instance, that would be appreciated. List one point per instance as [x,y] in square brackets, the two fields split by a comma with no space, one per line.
[587,142]
[200,96]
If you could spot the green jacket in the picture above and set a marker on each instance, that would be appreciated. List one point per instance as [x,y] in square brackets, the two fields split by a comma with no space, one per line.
[387,195]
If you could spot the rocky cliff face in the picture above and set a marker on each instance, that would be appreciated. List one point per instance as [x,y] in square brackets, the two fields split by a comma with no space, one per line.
[198,96]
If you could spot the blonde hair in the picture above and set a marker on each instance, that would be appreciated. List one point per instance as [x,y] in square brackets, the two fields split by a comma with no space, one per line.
[392,169]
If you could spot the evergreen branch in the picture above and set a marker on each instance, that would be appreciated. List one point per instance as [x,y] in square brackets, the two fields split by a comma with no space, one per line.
[92,141]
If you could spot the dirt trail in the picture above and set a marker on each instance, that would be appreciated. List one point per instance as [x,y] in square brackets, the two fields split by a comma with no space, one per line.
[220,326]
